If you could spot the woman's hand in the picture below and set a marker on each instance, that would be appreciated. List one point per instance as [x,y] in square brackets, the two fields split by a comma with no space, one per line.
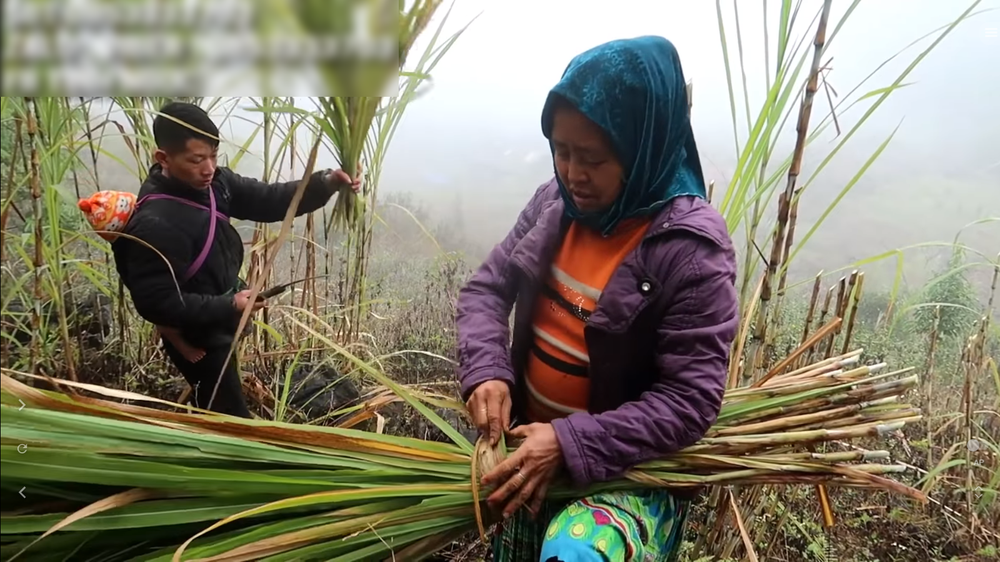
[489,407]
[527,473]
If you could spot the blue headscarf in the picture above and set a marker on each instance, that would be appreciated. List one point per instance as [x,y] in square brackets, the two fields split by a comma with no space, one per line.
[634,90]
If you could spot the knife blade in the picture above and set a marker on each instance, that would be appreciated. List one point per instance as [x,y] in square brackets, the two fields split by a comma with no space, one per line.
[278,289]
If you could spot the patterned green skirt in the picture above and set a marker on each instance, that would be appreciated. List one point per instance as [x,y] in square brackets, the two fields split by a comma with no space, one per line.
[610,527]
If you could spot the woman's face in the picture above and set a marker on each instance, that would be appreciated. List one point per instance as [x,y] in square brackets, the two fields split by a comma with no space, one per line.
[585,161]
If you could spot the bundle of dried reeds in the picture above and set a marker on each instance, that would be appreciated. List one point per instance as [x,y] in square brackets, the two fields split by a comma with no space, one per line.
[207,487]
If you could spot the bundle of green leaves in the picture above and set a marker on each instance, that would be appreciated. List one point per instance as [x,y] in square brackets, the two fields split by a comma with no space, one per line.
[112,481]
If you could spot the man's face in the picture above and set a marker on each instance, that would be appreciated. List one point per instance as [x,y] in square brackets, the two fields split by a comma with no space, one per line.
[195,165]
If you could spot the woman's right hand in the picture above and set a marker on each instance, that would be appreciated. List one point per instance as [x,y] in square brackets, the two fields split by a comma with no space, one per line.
[489,407]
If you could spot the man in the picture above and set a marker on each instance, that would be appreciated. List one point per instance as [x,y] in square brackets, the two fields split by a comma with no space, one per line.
[174,218]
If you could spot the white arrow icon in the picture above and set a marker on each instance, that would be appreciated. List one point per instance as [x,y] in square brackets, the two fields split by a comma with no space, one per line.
[22,405]
[21,492]
[22,448]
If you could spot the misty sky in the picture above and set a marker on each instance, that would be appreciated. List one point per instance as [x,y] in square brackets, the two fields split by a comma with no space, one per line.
[477,132]
[474,142]
[489,89]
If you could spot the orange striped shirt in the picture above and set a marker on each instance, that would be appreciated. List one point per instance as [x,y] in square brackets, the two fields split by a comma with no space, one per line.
[558,365]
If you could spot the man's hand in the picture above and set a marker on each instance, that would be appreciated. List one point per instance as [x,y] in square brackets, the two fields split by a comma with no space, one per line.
[242,299]
[489,407]
[337,178]
[524,478]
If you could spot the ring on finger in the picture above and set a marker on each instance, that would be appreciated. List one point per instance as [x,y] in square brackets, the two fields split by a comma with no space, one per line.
[522,476]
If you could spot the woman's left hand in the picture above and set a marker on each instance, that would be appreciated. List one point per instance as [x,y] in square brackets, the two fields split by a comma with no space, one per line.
[524,477]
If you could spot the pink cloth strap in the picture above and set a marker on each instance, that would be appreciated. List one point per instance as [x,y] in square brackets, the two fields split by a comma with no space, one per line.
[203,255]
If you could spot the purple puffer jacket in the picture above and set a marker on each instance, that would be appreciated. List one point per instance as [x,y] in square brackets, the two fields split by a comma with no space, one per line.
[658,340]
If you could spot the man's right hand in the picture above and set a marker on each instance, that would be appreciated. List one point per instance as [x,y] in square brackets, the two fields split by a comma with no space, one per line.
[489,407]
[242,299]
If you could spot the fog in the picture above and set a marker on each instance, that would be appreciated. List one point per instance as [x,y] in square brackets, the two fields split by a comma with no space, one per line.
[473,142]
[477,133]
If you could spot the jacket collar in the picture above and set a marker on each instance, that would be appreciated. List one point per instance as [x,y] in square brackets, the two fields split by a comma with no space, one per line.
[537,248]
[632,285]
[157,182]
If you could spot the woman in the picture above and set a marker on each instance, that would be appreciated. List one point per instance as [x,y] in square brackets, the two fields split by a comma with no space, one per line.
[622,278]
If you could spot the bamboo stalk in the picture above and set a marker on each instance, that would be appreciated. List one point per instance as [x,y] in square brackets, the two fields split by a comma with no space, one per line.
[817,378]
[853,312]
[829,328]
[54,269]
[994,284]
[309,297]
[785,198]
[835,362]
[836,369]
[811,310]
[793,216]
[808,418]
[928,383]
[70,304]
[844,296]
[967,370]
[36,210]
[8,204]
[861,393]
[822,318]
[736,357]
[838,312]
[262,230]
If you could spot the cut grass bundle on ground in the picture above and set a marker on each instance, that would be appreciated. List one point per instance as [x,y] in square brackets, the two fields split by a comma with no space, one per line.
[208,487]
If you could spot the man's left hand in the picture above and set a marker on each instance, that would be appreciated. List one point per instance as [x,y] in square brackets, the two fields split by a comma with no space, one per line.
[337,178]
[525,476]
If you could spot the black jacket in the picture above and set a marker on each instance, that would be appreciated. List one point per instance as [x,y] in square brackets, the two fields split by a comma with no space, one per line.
[203,310]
